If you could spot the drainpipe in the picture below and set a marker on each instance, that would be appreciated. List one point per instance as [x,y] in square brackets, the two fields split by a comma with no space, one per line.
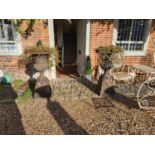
[52,45]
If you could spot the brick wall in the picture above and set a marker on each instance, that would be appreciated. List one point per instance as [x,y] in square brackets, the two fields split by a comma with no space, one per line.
[39,32]
[101,33]
[8,63]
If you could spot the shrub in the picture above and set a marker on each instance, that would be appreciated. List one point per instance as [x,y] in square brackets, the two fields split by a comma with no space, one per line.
[31,52]
[109,54]
[17,83]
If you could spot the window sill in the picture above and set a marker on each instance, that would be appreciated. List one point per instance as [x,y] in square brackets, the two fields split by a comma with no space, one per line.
[10,53]
[134,53]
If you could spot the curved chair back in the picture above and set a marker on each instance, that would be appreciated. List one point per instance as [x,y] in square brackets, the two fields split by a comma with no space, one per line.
[117,60]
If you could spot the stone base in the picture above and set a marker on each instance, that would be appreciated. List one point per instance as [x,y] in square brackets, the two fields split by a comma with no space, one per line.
[105,85]
[42,88]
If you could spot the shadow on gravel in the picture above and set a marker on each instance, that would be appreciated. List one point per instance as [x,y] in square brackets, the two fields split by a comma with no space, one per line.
[89,84]
[10,117]
[64,120]
[129,102]
[67,124]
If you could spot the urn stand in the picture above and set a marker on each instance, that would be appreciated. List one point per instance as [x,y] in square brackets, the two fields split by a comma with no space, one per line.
[105,82]
[42,87]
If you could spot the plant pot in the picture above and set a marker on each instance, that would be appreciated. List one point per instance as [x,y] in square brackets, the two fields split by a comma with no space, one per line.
[88,77]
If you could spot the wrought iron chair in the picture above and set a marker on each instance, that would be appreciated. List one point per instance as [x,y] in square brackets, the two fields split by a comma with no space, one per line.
[121,72]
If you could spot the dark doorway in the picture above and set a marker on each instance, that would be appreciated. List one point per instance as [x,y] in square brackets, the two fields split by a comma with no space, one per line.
[70,46]
[66,42]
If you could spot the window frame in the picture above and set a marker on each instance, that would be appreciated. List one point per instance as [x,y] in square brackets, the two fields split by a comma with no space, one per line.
[132,52]
[16,41]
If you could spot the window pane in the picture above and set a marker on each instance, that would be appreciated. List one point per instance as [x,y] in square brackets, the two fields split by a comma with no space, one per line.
[1,30]
[123,45]
[138,30]
[124,28]
[136,47]
[131,34]
[7,21]
[10,33]
[9,29]
[6,31]
[6,36]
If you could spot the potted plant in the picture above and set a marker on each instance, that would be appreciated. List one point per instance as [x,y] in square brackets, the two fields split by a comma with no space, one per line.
[109,56]
[31,53]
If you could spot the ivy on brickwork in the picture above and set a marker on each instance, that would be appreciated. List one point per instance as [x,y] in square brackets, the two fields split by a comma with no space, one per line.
[30,23]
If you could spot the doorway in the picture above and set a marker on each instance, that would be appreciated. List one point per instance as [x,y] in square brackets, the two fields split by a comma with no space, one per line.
[70,46]
[70,42]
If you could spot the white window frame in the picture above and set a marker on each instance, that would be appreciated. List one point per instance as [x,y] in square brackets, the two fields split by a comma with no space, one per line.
[17,42]
[132,53]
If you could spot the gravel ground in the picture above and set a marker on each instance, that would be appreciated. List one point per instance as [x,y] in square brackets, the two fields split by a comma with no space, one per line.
[82,116]
[74,110]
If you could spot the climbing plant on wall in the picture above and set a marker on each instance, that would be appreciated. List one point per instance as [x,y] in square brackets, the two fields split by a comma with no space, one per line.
[30,23]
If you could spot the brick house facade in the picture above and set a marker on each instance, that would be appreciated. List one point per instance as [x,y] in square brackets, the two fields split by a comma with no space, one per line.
[101,33]
[9,63]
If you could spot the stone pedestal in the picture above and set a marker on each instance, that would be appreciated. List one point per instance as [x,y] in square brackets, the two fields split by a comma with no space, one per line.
[42,87]
[105,84]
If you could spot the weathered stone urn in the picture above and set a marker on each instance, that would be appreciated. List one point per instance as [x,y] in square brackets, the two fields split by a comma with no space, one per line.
[42,87]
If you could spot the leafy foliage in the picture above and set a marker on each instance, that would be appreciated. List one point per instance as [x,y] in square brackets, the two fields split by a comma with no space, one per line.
[30,23]
[88,66]
[109,54]
[17,83]
[39,50]
[39,43]
[107,51]
[30,52]
[27,93]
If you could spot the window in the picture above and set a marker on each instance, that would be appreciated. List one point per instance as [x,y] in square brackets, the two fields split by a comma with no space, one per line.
[132,35]
[9,43]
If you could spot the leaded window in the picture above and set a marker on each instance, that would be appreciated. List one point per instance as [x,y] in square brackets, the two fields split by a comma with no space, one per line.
[7,36]
[131,34]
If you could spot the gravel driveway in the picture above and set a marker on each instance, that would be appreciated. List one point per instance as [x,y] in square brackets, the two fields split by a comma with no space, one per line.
[81,116]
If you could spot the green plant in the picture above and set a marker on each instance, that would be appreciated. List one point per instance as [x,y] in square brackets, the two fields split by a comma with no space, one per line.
[88,66]
[108,55]
[30,52]
[17,83]
[60,56]
[39,43]
[107,51]
[32,85]
[28,30]
[38,50]
[27,93]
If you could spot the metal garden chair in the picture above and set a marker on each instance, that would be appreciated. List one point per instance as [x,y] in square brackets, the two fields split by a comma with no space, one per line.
[121,72]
